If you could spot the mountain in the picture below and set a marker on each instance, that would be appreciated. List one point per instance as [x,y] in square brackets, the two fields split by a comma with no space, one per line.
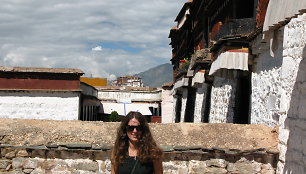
[157,76]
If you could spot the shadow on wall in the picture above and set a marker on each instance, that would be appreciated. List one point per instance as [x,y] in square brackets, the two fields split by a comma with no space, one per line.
[295,157]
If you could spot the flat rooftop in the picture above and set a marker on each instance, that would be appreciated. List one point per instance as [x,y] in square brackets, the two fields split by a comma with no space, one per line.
[40,70]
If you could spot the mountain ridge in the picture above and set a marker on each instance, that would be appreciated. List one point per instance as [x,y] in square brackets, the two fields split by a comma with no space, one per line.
[157,76]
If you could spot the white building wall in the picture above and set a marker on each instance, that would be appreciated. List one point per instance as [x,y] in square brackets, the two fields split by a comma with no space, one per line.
[222,100]
[292,130]
[39,105]
[266,87]
[124,108]
[184,103]
[200,103]
[279,93]
[167,106]
[175,98]
[128,96]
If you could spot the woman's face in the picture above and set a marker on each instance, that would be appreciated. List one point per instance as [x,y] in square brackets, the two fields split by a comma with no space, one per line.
[134,130]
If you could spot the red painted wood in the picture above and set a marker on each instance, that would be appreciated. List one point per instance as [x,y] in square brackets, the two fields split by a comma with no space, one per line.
[34,84]
[261,12]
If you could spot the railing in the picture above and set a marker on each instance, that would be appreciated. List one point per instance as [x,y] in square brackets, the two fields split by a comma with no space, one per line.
[236,27]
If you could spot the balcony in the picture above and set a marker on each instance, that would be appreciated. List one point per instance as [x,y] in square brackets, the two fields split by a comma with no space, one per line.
[236,27]
[201,58]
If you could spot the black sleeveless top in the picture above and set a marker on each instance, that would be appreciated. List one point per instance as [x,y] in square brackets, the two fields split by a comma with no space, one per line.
[127,166]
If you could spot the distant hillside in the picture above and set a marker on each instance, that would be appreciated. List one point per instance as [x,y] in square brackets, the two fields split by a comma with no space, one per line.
[157,76]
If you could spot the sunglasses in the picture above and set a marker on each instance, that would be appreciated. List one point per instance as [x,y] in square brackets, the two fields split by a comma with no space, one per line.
[131,128]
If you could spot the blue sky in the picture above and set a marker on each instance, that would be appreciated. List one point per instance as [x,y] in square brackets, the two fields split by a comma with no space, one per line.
[104,38]
[121,46]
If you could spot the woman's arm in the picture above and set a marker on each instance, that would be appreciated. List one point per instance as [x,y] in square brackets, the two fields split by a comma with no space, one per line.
[158,166]
[113,163]
[113,169]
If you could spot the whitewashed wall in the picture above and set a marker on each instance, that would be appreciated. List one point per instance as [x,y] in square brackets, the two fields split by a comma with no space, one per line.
[222,100]
[128,96]
[266,85]
[167,106]
[200,103]
[279,92]
[184,103]
[39,105]
[292,135]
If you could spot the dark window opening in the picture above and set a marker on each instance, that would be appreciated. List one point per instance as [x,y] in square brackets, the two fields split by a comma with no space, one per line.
[205,117]
[189,112]
[244,9]
[242,99]
[178,108]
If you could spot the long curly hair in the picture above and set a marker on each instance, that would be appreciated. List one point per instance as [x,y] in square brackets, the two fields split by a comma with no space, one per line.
[147,147]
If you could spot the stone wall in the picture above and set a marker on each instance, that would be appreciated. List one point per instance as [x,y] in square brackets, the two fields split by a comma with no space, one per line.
[87,159]
[278,91]
[38,146]
[53,105]
[223,99]
[292,126]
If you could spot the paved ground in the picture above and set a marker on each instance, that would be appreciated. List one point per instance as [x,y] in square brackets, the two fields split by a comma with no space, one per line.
[226,136]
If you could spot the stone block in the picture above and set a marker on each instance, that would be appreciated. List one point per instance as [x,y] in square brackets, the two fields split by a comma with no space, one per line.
[101,155]
[102,165]
[22,153]
[169,166]
[4,164]
[39,171]
[216,163]
[108,165]
[24,163]
[27,171]
[87,166]
[48,164]
[244,167]
[75,172]
[38,153]
[267,169]
[76,154]
[182,171]
[280,167]
[282,151]
[18,162]
[167,148]
[8,167]
[78,146]
[196,167]
[52,154]
[283,135]
[15,172]
[214,170]
[10,155]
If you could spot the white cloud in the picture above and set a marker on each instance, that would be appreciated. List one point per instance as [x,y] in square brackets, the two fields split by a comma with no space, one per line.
[112,77]
[97,48]
[66,34]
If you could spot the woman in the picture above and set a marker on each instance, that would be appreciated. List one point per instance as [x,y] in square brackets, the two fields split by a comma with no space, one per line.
[135,150]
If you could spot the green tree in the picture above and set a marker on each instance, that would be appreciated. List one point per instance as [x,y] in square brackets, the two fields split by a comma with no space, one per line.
[114,117]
